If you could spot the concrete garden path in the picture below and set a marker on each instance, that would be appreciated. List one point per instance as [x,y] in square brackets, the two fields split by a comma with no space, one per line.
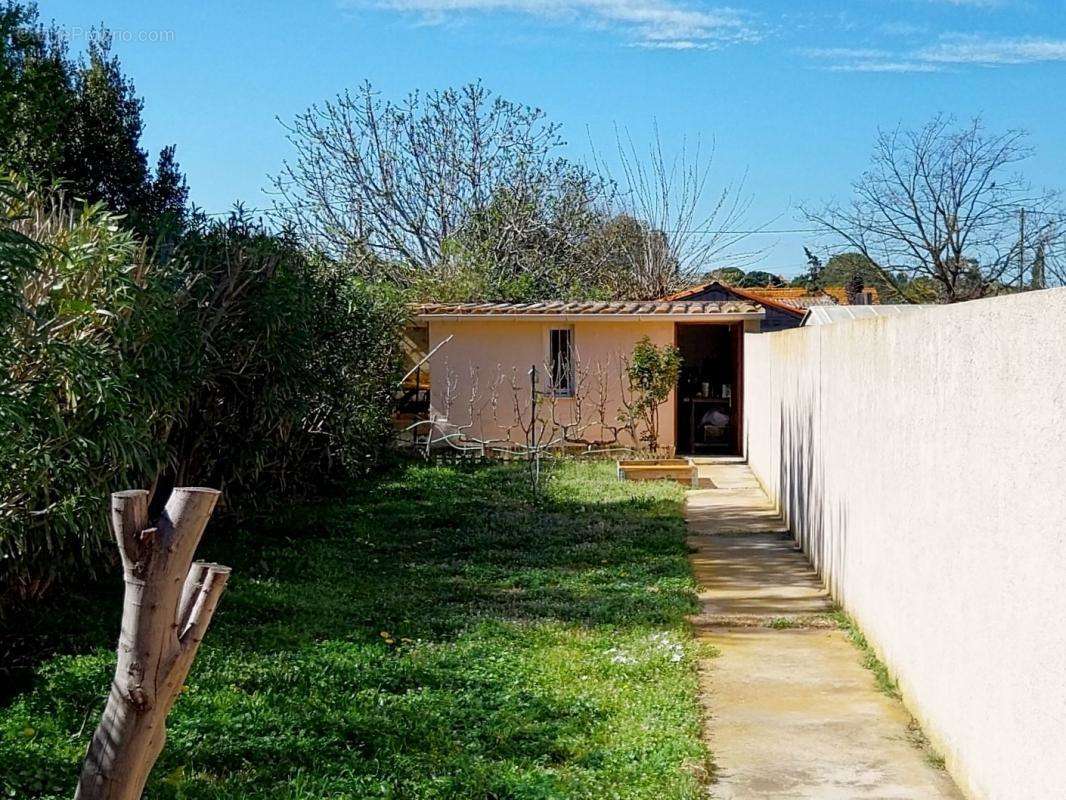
[791,711]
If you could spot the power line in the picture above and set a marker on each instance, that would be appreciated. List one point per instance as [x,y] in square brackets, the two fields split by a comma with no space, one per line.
[756,231]
[715,231]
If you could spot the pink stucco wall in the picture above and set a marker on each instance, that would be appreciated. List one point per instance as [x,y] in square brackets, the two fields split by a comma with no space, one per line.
[497,346]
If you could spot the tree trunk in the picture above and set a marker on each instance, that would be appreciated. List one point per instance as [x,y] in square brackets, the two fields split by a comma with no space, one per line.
[168,605]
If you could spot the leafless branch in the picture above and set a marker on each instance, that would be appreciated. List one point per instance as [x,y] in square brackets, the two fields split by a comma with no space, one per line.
[943,215]
[682,226]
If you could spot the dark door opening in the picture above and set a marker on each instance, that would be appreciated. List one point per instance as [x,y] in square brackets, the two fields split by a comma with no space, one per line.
[708,389]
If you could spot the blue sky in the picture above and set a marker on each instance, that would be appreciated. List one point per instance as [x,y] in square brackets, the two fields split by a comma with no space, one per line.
[792,93]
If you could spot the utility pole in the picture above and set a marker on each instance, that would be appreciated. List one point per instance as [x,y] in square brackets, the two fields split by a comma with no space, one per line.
[1038,281]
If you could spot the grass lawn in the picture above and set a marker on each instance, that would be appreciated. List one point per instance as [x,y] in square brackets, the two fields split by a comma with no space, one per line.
[437,636]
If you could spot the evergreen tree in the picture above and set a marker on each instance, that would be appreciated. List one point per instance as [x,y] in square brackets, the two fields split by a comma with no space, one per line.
[812,279]
[104,158]
[853,287]
[168,200]
[36,93]
[758,279]
[79,121]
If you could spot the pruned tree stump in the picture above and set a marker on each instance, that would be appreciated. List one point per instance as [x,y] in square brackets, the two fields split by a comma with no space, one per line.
[169,602]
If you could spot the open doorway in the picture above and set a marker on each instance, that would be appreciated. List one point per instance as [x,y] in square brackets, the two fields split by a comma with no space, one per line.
[708,392]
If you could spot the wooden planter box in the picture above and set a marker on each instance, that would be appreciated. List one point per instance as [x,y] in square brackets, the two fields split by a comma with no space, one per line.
[662,469]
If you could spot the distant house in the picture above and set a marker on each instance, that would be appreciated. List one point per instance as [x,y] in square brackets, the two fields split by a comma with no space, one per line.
[785,306]
[802,297]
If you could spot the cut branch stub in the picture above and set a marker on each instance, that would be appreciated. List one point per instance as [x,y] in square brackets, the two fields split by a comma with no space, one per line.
[168,604]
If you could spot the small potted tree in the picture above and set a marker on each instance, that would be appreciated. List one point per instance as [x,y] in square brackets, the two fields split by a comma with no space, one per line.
[651,374]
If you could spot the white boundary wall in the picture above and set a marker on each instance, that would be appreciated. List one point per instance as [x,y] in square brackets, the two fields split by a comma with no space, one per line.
[921,462]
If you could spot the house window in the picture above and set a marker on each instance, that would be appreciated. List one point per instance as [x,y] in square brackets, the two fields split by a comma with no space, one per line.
[561,360]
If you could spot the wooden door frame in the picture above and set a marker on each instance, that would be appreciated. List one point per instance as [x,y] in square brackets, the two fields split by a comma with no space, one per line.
[738,389]
[736,330]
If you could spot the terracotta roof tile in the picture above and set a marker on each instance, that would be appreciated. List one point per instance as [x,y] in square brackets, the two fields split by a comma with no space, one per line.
[629,308]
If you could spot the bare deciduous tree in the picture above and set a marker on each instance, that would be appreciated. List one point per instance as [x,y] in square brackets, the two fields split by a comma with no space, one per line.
[375,181]
[943,208]
[687,227]
[464,195]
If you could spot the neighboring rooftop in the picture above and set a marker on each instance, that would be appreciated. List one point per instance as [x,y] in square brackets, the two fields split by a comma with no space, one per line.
[791,297]
[699,309]
[800,297]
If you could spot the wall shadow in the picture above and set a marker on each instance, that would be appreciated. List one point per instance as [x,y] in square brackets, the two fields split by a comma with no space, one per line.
[820,529]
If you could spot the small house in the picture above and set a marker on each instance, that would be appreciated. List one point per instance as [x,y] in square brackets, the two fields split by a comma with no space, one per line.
[556,372]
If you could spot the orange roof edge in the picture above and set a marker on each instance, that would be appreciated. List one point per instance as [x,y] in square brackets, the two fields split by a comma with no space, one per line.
[744,293]
[686,293]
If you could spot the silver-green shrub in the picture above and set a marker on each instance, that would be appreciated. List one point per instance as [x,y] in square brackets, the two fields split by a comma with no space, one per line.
[238,361]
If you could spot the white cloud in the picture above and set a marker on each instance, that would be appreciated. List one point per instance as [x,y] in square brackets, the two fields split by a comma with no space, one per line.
[841,53]
[973,3]
[884,66]
[662,24]
[677,44]
[967,49]
[865,59]
[951,50]
[902,28]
